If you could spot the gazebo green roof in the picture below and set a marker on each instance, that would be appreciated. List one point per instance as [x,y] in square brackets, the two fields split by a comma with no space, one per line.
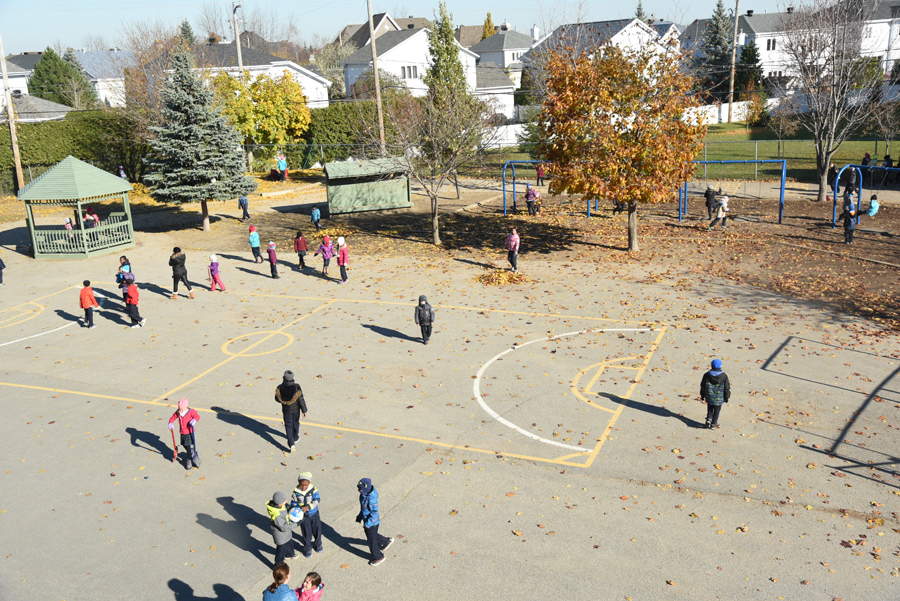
[72,180]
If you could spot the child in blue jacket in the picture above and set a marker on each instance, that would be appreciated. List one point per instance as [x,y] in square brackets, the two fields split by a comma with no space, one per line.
[368,516]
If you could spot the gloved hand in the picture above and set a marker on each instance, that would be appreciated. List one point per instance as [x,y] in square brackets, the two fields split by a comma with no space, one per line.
[359,518]
[193,422]
[172,426]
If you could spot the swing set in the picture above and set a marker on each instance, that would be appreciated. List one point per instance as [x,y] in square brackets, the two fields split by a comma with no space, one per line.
[858,188]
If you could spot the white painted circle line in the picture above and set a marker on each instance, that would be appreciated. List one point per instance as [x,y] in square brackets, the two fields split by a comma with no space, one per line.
[476,385]
[72,323]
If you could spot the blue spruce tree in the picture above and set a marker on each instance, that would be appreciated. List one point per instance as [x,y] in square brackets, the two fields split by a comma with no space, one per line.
[197,155]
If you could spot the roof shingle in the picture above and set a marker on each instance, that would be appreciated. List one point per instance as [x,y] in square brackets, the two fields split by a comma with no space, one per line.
[503,40]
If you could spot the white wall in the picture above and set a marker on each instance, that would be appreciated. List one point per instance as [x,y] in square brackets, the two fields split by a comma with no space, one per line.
[110,91]
[17,82]
[502,101]
[495,57]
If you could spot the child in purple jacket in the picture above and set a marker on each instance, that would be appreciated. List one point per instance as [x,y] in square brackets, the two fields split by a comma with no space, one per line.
[214,277]
[273,260]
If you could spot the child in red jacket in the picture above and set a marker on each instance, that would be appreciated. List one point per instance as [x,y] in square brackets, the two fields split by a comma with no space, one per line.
[300,248]
[186,418]
[88,303]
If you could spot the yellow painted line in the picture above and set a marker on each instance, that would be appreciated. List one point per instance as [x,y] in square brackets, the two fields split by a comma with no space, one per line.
[233,356]
[627,395]
[19,314]
[603,365]
[436,443]
[460,308]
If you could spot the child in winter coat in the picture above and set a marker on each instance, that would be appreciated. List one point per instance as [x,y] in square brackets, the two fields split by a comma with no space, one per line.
[254,244]
[715,389]
[327,251]
[179,272]
[214,277]
[312,588]
[124,276]
[307,498]
[273,259]
[131,303]
[343,258]
[300,248]
[187,419]
[369,517]
[279,590]
[88,303]
[424,317]
[315,215]
[282,527]
[849,217]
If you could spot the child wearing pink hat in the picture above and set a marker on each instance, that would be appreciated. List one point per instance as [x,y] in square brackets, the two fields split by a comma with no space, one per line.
[273,260]
[186,418]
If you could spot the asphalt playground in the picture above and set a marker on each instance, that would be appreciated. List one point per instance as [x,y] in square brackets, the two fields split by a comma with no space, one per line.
[546,443]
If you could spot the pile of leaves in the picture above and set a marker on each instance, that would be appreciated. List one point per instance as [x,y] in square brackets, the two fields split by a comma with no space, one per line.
[502,277]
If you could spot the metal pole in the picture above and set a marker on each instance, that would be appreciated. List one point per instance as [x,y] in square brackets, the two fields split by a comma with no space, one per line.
[504,190]
[377,83]
[781,201]
[237,37]
[737,15]
[704,161]
[756,158]
[10,113]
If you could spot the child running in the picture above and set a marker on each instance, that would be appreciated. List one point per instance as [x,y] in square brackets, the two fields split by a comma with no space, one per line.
[214,277]
[254,244]
[327,251]
[300,248]
[187,419]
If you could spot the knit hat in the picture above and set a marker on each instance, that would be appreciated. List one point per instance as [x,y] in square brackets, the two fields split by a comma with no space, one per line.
[364,486]
[868,156]
[279,498]
[305,476]
[252,228]
[176,250]
[326,240]
[341,241]
[271,244]
[213,259]
[182,403]
[288,376]
[716,364]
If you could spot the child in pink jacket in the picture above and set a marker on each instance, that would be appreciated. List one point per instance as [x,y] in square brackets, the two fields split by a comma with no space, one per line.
[312,588]
[187,418]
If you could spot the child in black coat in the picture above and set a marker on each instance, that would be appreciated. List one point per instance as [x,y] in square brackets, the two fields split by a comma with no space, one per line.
[424,317]
[715,389]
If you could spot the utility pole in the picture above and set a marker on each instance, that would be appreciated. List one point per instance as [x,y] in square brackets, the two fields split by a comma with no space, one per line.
[237,38]
[10,113]
[737,15]
[377,84]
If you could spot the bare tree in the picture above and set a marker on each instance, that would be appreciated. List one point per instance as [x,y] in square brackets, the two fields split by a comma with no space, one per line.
[784,119]
[214,18]
[822,44]
[885,123]
[328,60]
[95,42]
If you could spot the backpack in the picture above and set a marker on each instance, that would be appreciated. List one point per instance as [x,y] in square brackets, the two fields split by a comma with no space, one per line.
[873,207]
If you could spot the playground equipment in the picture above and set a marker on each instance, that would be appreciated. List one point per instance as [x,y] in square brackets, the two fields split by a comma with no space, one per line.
[683,190]
[860,182]
[513,165]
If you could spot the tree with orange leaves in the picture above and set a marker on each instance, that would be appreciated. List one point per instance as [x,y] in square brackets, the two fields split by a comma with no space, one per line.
[611,125]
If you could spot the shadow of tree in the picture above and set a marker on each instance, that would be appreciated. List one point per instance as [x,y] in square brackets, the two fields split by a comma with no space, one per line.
[184,592]
[239,530]
[261,429]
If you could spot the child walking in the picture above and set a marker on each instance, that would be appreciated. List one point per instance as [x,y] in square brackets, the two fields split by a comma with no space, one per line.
[715,389]
[179,273]
[424,317]
[282,527]
[2,267]
[369,517]
[300,248]
[315,215]
[327,251]
[214,277]
[273,260]
[187,419]
[131,302]
[124,276]
[343,259]
[254,244]
[312,588]
[88,303]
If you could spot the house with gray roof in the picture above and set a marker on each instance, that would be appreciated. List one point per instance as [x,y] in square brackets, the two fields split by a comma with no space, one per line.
[18,81]
[382,23]
[630,34]
[504,49]
[495,86]
[106,71]
[31,109]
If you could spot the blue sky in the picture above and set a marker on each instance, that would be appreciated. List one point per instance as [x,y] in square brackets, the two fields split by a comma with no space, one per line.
[37,24]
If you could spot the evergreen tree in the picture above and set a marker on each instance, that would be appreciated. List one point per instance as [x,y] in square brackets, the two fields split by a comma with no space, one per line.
[714,67]
[488,29]
[748,73]
[639,13]
[197,154]
[78,90]
[51,78]
[186,33]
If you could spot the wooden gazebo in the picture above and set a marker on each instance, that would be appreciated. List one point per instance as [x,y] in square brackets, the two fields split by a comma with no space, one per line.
[75,183]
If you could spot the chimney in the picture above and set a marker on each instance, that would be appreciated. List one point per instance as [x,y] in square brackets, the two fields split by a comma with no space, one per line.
[749,13]
[411,17]
[535,32]
[790,10]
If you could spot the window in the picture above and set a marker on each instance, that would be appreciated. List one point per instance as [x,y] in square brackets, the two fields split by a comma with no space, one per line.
[768,45]
[773,44]
[411,72]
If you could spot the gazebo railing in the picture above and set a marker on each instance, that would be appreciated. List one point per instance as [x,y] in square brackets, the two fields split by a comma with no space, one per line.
[56,241]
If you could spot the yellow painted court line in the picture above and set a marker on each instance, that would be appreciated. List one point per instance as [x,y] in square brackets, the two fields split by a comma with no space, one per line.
[604,365]
[627,396]
[460,308]
[236,355]
[436,443]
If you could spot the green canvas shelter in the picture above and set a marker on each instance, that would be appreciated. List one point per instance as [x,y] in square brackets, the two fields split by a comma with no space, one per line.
[355,186]
[75,183]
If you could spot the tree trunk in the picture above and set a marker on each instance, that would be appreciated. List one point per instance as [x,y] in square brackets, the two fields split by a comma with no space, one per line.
[822,169]
[435,226]
[249,161]
[204,210]
[632,227]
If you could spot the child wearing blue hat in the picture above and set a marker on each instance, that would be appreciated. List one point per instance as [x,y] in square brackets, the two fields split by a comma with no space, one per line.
[715,389]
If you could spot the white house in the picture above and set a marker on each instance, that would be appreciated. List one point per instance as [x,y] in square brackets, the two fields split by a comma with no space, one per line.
[505,49]
[216,58]
[106,71]
[495,86]
[18,81]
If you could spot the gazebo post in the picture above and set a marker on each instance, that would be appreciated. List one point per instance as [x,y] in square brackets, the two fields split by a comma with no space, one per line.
[128,217]
[81,228]
[34,244]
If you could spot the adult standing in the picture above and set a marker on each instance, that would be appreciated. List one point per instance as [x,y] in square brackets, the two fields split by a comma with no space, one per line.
[244,205]
[307,498]
[282,167]
[512,248]
[370,519]
[290,395]
[710,196]
[343,258]
[179,272]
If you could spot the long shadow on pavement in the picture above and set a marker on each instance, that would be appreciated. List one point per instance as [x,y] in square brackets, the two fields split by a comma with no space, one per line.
[151,442]
[185,592]
[389,333]
[652,409]
[345,543]
[261,429]
[239,530]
